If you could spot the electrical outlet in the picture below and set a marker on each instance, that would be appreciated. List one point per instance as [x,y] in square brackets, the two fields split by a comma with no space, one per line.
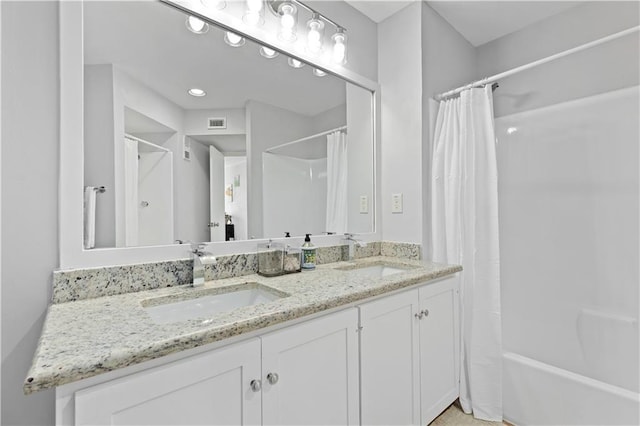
[364,204]
[396,203]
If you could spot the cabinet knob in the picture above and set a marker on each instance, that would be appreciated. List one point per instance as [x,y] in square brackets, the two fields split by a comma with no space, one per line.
[272,378]
[256,385]
[418,315]
[425,312]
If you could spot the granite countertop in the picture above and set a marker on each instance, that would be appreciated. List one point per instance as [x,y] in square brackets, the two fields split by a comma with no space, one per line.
[85,338]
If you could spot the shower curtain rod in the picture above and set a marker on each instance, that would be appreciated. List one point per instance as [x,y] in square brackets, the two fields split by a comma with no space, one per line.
[533,64]
[306,138]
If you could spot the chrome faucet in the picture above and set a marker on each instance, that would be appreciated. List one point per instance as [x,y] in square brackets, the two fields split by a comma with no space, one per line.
[200,258]
[353,243]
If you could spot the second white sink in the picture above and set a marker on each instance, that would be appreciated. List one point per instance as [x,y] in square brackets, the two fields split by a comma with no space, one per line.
[375,271]
[204,304]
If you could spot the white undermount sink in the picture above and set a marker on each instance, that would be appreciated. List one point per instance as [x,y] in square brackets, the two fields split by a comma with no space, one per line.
[203,303]
[376,270]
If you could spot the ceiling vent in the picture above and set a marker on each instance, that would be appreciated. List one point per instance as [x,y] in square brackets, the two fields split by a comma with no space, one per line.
[217,123]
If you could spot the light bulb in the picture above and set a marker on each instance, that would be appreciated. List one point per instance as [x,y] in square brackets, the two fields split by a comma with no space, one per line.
[233,39]
[253,15]
[254,5]
[339,55]
[214,4]
[315,32]
[197,25]
[288,19]
[319,73]
[268,53]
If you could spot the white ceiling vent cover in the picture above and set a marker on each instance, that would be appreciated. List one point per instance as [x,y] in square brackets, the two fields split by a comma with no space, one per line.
[217,123]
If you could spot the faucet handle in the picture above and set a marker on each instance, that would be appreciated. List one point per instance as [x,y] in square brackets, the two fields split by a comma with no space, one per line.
[197,248]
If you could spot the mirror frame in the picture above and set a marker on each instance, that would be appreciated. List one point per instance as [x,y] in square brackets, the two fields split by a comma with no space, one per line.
[71,161]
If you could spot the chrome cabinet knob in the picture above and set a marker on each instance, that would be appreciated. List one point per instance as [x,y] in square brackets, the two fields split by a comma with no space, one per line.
[418,315]
[256,385]
[272,378]
[425,312]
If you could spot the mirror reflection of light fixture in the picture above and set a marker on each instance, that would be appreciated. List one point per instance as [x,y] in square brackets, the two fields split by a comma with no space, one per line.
[319,73]
[295,63]
[254,13]
[288,13]
[268,53]
[315,34]
[233,39]
[197,92]
[196,25]
[339,55]
[214,4]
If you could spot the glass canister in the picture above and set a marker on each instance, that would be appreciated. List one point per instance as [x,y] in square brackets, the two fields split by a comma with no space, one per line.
[270,259]
[292,259]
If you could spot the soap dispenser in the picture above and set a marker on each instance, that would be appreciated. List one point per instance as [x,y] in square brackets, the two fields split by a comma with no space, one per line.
[308,254]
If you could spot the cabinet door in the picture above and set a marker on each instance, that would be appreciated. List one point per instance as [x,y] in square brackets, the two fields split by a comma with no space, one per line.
[389,361]
[439,344]
[212,388]
[310,372]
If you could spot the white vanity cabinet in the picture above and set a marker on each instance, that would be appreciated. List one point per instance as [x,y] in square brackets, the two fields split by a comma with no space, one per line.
[409,355]
[213,388]
[306,373]
[310,372]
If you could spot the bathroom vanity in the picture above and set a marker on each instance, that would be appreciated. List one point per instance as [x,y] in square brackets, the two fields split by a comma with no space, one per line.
[340,346]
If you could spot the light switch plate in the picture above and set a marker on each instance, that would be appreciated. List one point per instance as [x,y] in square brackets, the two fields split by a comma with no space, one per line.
[396,203]
[364,204]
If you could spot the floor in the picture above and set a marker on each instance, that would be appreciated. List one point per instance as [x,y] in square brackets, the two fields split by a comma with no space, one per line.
[455,416]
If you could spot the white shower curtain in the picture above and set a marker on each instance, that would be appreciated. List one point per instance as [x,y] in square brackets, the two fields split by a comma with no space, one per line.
[464,187]
[336,183]
[130,192]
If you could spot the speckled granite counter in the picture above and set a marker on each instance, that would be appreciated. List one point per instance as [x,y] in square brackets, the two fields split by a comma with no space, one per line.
[85,338]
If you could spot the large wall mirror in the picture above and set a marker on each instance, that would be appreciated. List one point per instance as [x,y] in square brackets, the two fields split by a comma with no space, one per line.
[267,149]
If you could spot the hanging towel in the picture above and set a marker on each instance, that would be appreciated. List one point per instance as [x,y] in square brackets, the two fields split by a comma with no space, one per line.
[90,216]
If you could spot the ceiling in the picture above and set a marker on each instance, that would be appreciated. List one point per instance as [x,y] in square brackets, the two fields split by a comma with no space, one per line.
[478,21]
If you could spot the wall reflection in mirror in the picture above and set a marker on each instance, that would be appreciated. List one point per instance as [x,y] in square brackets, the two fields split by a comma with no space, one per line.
[256,150]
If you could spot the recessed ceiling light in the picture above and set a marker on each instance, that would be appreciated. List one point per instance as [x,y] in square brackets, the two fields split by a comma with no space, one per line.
[197,92]
[295,63]
[196,25]
[233,39]
[268,53]
[319,73]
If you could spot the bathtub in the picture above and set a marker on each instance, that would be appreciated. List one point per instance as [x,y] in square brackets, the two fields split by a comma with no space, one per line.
[535,393]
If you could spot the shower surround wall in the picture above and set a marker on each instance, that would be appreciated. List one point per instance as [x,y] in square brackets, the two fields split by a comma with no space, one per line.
[568,166]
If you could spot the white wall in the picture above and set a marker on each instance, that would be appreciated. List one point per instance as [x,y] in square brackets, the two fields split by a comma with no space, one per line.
[330,119]
[29,197]
[571,77]
[420,55]
[400,74]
